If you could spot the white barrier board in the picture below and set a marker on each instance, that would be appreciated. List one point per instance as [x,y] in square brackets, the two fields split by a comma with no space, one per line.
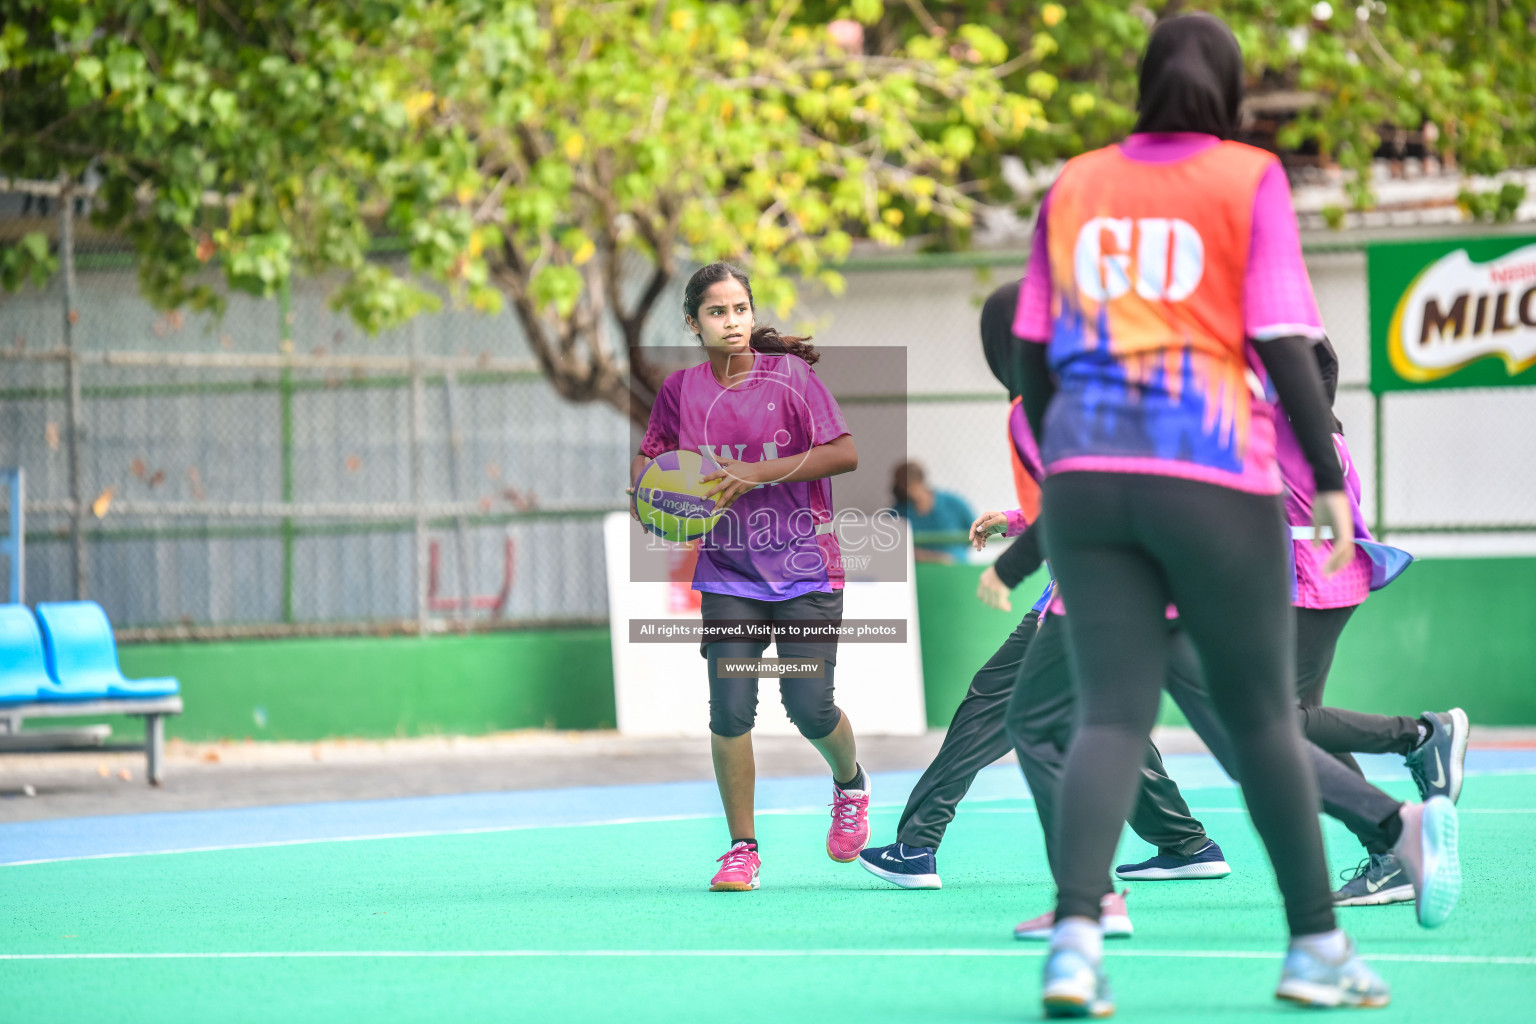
[662,689]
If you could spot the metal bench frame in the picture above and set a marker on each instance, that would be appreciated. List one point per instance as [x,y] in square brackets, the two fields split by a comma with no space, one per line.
[152,709]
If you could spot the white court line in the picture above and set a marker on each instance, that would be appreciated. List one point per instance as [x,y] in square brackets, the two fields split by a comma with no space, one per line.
[984,952]
[476,831]
[428,834]
[309,841]
[1459,810]
[493,829]
[1244,810]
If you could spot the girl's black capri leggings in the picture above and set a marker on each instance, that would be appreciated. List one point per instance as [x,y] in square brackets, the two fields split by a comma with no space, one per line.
[807,699]
[1123,546]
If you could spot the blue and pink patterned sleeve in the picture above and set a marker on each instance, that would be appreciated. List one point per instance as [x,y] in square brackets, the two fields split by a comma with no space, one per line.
[1277,293]
[1032,322]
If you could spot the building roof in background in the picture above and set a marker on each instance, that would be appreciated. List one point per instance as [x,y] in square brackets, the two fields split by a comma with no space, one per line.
[1412,194]
[1409,193]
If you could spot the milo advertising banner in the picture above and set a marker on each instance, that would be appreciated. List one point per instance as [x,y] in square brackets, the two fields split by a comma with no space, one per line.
[1458,313]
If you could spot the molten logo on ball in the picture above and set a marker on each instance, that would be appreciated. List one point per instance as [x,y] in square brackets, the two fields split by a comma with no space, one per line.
[669,496]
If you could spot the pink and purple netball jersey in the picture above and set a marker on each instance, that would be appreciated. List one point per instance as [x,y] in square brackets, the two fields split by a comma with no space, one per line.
[776,541]
[1153,263]
[1350,585]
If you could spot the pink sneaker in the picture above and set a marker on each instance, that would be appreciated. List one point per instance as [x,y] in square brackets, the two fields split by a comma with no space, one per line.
[1036,929]
[850,823]
[1112,915]
[738,873]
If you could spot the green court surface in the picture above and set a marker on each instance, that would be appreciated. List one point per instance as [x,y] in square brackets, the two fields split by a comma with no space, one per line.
[613,923]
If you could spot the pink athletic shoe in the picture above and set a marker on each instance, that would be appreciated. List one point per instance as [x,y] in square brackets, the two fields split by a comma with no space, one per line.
[850,823]
[1112,915]
[738,872]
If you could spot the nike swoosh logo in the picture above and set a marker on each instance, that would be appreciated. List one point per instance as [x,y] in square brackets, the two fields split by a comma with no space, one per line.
[1439,780]
[1373,886]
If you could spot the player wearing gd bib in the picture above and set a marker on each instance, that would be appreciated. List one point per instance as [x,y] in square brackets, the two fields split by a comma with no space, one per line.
[976,736]
[1174,276]
[759,410]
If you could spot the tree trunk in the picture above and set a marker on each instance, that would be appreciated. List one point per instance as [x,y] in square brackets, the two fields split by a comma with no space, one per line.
[574,352]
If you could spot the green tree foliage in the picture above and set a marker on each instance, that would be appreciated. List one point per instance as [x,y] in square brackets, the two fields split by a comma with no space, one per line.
[1364,69]
[529,151]
[523,151]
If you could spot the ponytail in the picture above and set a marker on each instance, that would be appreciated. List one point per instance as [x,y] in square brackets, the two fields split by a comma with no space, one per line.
[767,340]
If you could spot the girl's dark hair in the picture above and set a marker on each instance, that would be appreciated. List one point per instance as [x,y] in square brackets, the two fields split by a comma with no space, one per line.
[764,339]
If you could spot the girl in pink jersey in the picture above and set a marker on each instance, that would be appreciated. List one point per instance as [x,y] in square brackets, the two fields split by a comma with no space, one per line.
[758,409]
[1434,744]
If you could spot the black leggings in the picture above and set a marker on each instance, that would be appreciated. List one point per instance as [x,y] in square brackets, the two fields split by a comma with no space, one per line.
[1334,729]
[807,701]
[1123,546]
[733,701]
[1372,815]
[1041,722]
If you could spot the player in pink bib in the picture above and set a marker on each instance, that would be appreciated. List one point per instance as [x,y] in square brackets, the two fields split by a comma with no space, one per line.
[758,409]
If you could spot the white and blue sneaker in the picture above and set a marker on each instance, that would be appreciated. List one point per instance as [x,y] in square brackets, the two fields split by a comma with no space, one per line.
[1074,986]
[1427,851]
[1436,764]
[1310,980]
[1206,862]
[910,867]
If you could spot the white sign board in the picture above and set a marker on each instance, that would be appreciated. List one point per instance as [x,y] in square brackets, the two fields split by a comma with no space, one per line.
[662,689]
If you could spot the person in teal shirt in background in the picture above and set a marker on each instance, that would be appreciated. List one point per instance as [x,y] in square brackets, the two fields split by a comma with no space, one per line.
[931,511]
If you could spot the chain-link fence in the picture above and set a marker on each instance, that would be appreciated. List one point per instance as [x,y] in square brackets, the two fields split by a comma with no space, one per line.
[1448,472]
[277,470]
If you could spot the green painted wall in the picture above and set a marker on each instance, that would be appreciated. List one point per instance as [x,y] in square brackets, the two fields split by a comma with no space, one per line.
[1451,631]
[305,689]
[959,633]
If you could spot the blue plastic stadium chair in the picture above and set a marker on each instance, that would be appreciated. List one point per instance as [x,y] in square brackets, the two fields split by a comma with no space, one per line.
[23,664]
[82,654]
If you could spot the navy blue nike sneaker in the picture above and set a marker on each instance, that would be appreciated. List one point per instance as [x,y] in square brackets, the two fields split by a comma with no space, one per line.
[1436,763]
[910,867]
[1166,867]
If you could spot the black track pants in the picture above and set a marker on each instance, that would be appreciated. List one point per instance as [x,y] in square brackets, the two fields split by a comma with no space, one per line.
[1028,683]
[1042,719]
[1369,813]
[974,740]
[1334,729]
[1123,546]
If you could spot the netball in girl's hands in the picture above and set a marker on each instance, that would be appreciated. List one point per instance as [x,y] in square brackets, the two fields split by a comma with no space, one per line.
[736,478]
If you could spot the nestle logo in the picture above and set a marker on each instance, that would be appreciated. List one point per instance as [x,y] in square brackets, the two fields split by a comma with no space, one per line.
[1458,311]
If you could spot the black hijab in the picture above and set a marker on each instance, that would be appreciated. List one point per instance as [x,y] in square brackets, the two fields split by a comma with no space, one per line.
[1191,77]
[997,339]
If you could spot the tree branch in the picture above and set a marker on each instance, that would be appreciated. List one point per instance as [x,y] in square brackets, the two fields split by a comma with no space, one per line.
[929,25]
[785,13]
[1009,67]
